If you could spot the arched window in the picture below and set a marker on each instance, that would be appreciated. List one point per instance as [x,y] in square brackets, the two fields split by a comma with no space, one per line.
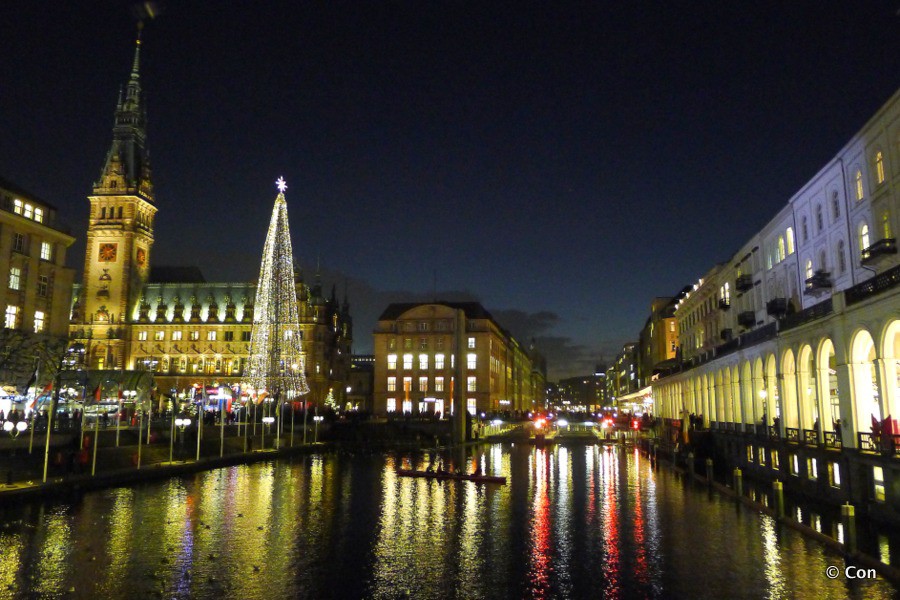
[103,212]
[863,237]
[790,240]
[886,225]
[809,271]
[780,248]
[859,185]
[879,167]
[841,257]
[820,222]
[835,206]
[823,263]
[804,229]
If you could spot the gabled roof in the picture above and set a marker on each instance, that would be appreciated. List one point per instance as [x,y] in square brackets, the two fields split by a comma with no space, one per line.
[473,310]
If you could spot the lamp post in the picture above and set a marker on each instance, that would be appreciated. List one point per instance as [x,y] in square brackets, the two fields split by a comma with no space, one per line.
[182,423]
[317,419]
[14,429]
[267,422]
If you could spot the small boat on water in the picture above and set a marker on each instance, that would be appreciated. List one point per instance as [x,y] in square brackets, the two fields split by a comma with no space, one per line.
[448,475]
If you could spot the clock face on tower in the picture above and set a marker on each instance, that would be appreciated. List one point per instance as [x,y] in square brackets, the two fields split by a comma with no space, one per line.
[107,252]
[141,257]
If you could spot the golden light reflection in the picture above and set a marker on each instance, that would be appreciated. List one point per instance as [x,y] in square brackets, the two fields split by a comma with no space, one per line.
[12,545]
[121,523]
[55,548]
[610,515]
[772,557]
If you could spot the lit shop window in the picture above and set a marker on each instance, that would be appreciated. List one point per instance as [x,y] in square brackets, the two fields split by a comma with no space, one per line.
[471,406]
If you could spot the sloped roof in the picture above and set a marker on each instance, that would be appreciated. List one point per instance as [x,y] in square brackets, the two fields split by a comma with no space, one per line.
[473,310]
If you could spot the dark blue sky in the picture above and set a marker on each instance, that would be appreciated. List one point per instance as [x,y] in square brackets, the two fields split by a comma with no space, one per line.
[563,163]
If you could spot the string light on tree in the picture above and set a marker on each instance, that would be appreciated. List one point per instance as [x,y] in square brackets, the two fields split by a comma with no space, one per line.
[276,365]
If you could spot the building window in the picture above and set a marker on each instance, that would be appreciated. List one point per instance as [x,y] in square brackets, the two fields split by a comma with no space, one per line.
[879,167]
[423,384]
[407,343]
[12,316]
[878,479]
[789,234]
[229,336]
[776,462]
[823,263]
[38,321]
[471,385]
[423,361]
[407,361]
[407,384]
[159,335]
[749,454]
[471,406]
[809,269]
[886,225]
[859,185]
[176,336]
[835,206]
[781,253]
[43,286]
[392,384]
[38,214]
[142,336]
[438,361]
[804,229]
[834,474]
[15,278]
[19,242]
[441,326]
[423,326]
[795,465]
[211,336]
[471,343]
[392,344]
[29,211]
[392,361]
[439,344]
[407,406]
[471,360]
[812,468]
[841,257]
[439,384]
[46,251]
[391,405]
[194,335]
[17,206]
[820,221]
[863,237]
[245,336]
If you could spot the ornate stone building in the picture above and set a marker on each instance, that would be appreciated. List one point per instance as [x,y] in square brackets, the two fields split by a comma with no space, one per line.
[132,316]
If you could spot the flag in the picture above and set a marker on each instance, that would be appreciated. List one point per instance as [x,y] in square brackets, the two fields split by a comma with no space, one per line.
[97,393]
[37,397]
[261,396]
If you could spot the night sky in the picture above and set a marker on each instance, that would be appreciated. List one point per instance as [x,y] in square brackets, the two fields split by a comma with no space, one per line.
[562,163]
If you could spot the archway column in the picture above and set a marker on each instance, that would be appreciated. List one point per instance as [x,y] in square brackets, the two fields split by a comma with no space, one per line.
[847,398]
[886,377]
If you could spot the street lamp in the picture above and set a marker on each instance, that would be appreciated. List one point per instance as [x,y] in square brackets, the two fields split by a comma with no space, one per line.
[14,429]
[182,423]
[267,422]
[317,419]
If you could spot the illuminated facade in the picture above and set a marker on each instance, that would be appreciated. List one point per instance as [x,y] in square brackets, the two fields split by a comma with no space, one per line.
[659,338]
[35,283]
[794,343]
[134,316]
[416,354]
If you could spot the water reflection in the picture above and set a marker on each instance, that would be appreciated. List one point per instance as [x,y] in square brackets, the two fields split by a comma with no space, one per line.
[572,522]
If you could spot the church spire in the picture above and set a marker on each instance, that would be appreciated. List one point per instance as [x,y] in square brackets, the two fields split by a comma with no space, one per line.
[127,166]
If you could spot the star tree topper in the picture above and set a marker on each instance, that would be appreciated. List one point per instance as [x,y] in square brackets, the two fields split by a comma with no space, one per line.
[281,184]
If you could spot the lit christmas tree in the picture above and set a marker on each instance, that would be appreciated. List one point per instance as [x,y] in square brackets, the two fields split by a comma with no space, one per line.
[330,401]
[276,364]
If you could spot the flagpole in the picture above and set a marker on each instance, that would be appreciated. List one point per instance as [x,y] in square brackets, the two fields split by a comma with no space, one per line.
[200,420]
[50,423]
[31,435]
[96,431]
[222,425]
[140,435]
[118,412]
[292,424]
[172,432]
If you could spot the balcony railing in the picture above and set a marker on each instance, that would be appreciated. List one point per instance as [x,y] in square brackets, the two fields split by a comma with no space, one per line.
[725,334]
[867,442]
[832,439]
[792,434]
[819,283]
[871,287]
[724,303]
[774,433]
[747,319]
[810,437]
[878,251]
[816,311]
[744,283]
[776,307]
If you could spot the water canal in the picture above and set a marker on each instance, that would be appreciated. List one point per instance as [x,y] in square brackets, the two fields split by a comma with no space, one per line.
[581,521]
